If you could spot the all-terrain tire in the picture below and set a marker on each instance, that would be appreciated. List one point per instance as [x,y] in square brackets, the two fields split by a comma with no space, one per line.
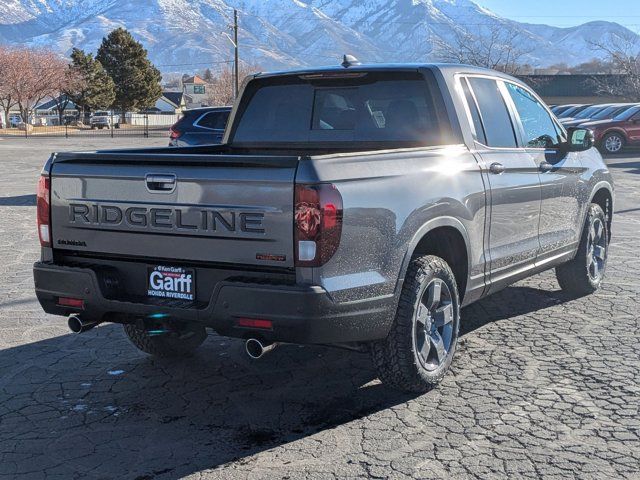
[166,345]
[576,276]
[396,357]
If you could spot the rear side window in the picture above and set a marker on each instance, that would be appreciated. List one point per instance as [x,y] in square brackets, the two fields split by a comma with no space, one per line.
[475,114]
[213,120]
[373,108]
[496,120]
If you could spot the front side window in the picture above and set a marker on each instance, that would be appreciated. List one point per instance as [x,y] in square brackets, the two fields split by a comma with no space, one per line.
[539,129]
[199,89]
[496,120]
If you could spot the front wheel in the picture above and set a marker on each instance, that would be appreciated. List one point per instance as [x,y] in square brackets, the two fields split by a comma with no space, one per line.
[583,275]
[612,143]
[420,346]
[170,344]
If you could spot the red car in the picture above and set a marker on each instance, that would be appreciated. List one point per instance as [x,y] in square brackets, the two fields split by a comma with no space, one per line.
[612,135]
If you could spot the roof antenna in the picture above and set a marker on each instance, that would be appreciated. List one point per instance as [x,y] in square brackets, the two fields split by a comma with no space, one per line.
[349,61]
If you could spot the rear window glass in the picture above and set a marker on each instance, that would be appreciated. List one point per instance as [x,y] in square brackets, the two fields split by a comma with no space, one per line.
[370,109]
[214,120]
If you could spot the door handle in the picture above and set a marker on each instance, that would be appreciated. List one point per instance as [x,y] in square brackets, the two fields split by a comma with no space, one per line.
[545,167]
[496,168]
[160,183]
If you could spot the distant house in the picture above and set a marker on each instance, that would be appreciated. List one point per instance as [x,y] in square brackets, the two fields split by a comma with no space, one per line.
[196,90]
[50,106]
[170,103]
[574,88]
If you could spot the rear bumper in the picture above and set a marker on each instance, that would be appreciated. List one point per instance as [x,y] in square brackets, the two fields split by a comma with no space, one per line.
[300,314]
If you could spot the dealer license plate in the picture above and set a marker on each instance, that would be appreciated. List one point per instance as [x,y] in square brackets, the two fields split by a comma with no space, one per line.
[171,282]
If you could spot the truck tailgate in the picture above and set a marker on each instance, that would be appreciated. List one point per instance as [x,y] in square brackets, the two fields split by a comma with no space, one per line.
[204,208]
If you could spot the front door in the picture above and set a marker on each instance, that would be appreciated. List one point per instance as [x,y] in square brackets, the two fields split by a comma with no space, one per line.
[513,181]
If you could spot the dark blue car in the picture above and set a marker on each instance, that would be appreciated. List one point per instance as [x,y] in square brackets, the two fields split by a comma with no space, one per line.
[199,126]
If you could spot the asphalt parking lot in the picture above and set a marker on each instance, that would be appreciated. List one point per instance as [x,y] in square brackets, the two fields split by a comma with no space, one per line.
[543,386]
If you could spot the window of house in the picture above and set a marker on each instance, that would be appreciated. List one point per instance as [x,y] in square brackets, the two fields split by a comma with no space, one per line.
[496,120]
[198,89]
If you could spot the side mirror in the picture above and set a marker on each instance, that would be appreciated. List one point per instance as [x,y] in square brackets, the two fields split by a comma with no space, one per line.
[580,139]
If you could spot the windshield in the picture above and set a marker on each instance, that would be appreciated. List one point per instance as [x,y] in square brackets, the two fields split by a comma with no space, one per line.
[588,112]
[394,107]
[608,112]
[627,114]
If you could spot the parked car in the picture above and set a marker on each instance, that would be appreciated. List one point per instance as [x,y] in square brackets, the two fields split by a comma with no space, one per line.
[102,119]
[199,126]
[584,114]
[573,111]
[606,113]
[560,109]
[611,136]
[355,206]
[15,120]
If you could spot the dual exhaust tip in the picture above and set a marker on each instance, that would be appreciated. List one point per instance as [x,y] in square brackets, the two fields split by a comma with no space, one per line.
[255,348]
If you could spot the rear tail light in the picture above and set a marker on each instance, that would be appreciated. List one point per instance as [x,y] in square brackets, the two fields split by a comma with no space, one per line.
[255,323]
[318,223]
[174,133]
[42,208]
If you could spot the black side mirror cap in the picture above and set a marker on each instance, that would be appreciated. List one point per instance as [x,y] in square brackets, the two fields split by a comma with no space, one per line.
[579,139]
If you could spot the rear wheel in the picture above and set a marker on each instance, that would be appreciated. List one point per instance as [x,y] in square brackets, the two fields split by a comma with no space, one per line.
[180,343]
[583,275]
[612,143]
[420,346]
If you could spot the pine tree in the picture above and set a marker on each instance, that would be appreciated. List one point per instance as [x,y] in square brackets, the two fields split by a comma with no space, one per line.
[207,76]
[137,81]
[89,86]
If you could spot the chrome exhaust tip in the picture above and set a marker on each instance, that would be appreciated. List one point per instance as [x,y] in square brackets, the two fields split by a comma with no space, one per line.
[256,349]
[79,325]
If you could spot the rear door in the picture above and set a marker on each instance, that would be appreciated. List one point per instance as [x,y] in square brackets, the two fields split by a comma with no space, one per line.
[205,208]
[513,180]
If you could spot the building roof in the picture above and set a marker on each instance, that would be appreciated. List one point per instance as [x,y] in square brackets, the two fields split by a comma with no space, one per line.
[51,104]
[574,85]
[175,98]
[195,79]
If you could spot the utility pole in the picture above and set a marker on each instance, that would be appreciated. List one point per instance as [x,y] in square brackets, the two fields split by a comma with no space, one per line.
[235,45]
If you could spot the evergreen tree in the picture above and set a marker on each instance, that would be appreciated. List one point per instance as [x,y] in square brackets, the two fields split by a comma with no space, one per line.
[207,76]
[137,81]
[89,85]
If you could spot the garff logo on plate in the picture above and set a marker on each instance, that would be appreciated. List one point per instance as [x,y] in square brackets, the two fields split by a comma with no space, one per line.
[171,282]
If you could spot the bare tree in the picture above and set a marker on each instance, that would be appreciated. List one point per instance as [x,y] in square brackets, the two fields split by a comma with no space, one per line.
[623,54]
[497,47]
[8,71]
[31,76]
[220,92]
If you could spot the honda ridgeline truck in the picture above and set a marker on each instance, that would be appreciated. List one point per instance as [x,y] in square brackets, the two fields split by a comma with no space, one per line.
[353,206]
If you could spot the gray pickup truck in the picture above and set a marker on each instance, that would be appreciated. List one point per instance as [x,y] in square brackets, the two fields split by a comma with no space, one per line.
[356,206]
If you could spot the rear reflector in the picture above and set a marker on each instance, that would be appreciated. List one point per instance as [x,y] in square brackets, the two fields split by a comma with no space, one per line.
[255,323]
[71,302]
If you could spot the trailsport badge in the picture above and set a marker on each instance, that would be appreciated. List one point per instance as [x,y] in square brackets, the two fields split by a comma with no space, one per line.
[171,282]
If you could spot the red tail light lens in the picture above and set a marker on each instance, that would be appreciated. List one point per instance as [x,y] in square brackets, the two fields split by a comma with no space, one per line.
[42,209]
[318,223]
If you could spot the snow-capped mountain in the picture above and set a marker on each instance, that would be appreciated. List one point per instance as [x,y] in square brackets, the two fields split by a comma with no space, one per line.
[187,35]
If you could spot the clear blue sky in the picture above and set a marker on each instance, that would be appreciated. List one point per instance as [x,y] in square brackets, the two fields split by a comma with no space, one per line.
[564,13]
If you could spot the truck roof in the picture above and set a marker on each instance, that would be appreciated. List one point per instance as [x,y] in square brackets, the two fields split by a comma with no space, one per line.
[445,68]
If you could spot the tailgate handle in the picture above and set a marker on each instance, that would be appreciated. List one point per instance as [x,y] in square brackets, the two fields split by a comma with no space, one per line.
[160,183]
